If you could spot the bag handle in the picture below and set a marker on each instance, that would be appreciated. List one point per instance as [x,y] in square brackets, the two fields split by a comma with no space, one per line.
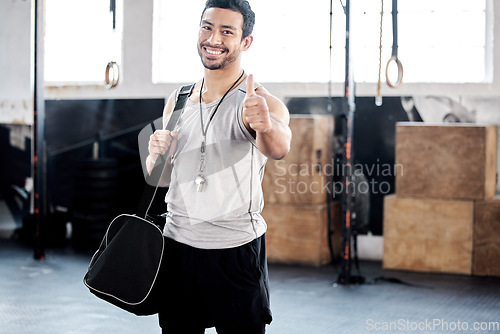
[149,192]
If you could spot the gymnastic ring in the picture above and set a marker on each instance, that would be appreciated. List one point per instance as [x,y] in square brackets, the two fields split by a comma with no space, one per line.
[400,72]
[113,81]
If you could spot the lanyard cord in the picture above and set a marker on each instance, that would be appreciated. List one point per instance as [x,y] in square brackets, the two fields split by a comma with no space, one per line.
[203,128]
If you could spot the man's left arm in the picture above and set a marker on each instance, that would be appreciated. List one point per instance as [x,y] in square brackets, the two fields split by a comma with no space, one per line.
[267,118]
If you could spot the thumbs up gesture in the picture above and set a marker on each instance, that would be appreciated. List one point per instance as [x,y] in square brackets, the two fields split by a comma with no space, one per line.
[255,110]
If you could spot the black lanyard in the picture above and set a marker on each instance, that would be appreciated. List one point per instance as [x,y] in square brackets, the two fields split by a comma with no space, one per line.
[203,128]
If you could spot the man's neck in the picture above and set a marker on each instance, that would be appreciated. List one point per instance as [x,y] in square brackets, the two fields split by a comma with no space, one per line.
[217,82]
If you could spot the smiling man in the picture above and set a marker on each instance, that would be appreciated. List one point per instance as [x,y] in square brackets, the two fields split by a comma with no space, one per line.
[216,267]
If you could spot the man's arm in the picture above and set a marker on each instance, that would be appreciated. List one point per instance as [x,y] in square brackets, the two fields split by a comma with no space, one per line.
[267,118]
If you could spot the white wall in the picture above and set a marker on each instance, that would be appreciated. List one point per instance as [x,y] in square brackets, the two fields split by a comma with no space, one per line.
[16,101]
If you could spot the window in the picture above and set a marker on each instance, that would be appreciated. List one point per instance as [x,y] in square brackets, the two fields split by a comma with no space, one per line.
[80,40]
[439,41]
[290,42]
[175,31]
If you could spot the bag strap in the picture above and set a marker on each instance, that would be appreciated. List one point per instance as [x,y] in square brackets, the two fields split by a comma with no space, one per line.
[156,175]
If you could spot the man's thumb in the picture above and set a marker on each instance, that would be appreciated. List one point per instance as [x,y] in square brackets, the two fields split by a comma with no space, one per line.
[250,88]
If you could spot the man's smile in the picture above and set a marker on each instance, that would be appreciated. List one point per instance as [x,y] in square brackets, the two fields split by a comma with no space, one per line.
[213,51]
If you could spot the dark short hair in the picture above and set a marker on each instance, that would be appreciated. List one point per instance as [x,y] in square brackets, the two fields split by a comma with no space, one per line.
[240,6]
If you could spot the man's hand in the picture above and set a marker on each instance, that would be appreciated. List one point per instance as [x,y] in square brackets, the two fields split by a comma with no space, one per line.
[255,109]
[159,142]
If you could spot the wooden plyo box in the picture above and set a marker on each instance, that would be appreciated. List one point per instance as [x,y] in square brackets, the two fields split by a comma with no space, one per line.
[302,176]
[454,161]
[298,234]
[487,238]
[428,235]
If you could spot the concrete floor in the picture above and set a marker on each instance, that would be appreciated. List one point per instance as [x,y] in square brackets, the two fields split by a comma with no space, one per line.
[48,297]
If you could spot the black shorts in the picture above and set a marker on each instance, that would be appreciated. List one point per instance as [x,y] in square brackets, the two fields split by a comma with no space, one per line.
[225,288]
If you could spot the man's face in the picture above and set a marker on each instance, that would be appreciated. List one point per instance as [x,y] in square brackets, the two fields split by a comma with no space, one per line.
[219,40]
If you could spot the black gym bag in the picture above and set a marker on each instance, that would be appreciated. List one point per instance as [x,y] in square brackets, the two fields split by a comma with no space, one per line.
[125,270]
